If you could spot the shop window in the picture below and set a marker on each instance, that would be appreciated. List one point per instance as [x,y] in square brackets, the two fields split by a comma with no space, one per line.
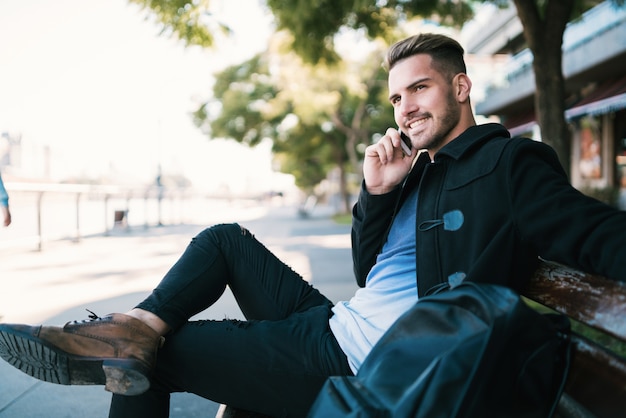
[620,161]
[590,164]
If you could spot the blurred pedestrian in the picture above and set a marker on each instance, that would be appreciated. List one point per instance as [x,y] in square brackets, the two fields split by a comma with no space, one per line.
[4,204]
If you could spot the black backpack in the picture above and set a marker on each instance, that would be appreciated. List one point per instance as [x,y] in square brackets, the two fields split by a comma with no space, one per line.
[477,350]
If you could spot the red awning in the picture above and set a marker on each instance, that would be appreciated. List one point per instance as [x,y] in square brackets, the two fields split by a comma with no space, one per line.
[610,96]
[520,124]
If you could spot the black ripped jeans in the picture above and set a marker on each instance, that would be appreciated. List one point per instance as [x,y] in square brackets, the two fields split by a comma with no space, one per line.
[274,363]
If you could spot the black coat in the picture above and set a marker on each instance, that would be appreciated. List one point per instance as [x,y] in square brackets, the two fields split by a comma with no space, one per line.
[488,206]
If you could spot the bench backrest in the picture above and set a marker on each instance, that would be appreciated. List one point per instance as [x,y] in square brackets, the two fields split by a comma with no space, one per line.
[596,385]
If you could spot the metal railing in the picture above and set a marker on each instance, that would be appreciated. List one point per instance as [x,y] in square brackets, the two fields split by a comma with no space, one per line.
[46,212]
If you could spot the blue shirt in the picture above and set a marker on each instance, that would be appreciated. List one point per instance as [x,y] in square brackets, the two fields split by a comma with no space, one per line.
[390,290]
[4,196]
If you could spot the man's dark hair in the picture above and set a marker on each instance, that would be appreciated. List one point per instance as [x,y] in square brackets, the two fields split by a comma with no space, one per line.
[447,54]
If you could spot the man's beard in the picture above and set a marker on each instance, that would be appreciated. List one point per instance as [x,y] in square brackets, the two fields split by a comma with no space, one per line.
[448,122]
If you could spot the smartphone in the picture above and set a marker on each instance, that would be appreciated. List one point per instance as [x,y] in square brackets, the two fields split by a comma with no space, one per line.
[406,143]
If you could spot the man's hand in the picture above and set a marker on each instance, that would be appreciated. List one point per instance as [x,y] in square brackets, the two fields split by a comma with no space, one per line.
[385,164]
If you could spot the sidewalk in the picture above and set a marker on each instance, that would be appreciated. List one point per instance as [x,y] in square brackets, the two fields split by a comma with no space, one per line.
[111,274]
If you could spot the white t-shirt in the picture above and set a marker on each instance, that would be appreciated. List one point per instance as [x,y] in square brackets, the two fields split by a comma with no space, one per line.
[390,290]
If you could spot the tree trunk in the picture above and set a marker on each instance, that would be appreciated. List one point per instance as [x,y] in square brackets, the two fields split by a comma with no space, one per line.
[352,134]
[343,181]
[543,31]
[343,186]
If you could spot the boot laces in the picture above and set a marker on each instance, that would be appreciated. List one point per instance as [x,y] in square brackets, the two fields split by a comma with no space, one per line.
[92,317]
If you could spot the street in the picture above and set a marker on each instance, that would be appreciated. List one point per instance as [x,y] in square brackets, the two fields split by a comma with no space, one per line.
[111,273]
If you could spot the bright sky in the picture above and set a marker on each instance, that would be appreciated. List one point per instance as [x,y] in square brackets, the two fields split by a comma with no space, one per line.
[96,83]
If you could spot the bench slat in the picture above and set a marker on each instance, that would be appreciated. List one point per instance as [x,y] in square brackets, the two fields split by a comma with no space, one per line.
[593,300]
[596,384]
[597,379]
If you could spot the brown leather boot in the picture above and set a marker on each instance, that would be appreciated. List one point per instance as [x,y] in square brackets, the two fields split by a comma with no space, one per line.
[117,351]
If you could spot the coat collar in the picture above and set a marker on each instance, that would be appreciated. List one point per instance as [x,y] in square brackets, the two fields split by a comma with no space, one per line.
[473,136]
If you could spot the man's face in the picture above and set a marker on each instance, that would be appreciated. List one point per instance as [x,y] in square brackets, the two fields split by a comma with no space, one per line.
[425,107]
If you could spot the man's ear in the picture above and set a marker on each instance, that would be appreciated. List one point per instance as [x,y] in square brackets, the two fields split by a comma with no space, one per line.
[462,87]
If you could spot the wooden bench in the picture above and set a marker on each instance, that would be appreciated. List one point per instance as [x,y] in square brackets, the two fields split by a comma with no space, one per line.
[596,383]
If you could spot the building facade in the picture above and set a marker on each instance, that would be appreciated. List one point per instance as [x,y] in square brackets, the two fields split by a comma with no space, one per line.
[594,67]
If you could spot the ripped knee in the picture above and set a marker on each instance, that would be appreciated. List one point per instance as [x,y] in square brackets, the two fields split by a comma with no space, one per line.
[228,229]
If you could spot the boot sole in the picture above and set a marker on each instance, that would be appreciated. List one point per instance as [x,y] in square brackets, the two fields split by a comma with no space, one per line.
[50,364]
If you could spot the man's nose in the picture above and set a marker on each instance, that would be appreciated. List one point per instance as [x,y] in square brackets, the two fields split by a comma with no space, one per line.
[407,107]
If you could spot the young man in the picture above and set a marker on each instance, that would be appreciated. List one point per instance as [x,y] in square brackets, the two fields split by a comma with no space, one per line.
[476,205]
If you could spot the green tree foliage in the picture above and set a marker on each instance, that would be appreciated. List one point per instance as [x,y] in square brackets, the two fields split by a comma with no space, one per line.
[190,21]
[306,154]
[543,21]
[314,23]
[244,107]
[316,116]
[249,108]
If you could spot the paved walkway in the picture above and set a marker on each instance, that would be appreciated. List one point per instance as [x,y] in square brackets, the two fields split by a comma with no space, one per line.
[111,274]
